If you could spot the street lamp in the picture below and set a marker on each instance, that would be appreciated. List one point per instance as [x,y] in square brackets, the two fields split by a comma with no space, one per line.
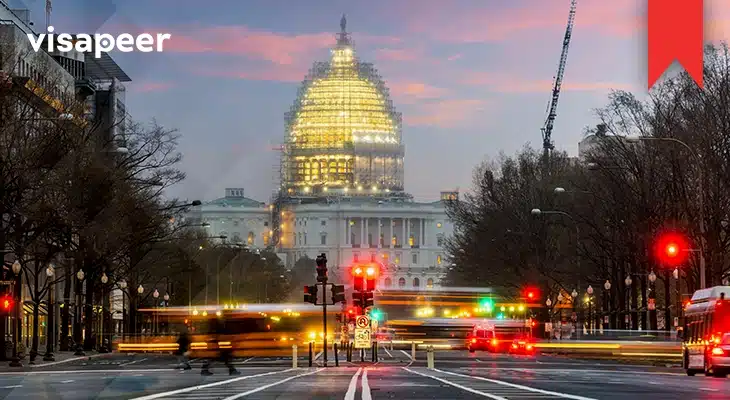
[574,293]
[548,302]
[628,283]
[123,287]
[50,324]
[560,298]
[590,308]
[140,289]
[607,287]
[701,199]
[79,307]
[559,190]
[104,281]
[652,277]
[166,297]
[675,273]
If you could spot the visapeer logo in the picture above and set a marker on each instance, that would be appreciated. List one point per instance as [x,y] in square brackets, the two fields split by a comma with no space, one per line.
[99,43]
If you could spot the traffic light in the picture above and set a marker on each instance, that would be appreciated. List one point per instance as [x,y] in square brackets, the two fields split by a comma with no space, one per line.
[338,294]
[672,249]
[6,304]
[531,294]
[357,301]
[370,285]
[487,305]
[338,317]
[376,315]
[368,297]
[322,268]
[310,294]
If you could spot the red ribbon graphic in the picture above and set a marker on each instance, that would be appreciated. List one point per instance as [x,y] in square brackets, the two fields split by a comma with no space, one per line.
[676,30]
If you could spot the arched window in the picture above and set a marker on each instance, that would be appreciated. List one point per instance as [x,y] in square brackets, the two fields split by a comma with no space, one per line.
[251,237]
[402,282]
[416,282]
[429,283]
[388,282]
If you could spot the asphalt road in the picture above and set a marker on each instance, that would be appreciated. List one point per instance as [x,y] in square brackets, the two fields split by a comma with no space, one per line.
[458,375]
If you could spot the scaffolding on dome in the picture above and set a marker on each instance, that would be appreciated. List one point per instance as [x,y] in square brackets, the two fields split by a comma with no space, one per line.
[343,134]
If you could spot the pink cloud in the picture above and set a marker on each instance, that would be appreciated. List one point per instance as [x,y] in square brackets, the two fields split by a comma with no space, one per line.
[272,72]
[145,87]
[509,84]
[398,55]
[410,92]
[446,113]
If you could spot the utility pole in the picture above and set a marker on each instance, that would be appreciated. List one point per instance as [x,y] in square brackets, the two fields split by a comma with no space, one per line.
[322,279]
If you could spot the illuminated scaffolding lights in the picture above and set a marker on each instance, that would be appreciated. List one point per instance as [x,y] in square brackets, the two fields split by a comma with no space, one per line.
[342,129]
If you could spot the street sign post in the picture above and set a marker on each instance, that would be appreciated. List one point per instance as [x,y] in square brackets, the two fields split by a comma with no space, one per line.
[362,321]
[362,338]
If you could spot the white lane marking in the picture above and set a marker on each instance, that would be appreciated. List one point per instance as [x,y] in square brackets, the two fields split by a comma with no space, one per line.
[258,389]
[653,383]
[247,360]
[570,371]
[66,360]
[133,362]
[366,395]
[12,386]
[516,386]
[456,385]
[68,381]
[350,395]
[208,385]
[317,356]
[387,352]
[407,355]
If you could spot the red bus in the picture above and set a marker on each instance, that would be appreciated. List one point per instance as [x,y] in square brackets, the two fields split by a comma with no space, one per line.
[706,322]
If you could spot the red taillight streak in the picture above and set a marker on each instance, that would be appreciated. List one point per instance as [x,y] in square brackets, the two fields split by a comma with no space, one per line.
[718,352]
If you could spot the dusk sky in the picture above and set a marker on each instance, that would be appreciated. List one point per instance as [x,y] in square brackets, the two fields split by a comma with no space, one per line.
[471,77]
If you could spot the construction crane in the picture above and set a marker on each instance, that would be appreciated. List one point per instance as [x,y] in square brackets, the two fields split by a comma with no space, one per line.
[547,130]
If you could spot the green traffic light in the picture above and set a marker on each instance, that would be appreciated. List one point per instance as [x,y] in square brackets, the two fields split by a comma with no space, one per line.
[487,305]
[376,315]
[500,316]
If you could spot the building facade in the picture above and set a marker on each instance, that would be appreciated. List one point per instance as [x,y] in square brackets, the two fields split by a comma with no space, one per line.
[342,184]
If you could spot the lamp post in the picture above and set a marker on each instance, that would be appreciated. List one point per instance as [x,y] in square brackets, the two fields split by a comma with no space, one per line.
[538,212]
[573,296]
[17,268]
[677,289]
[104,281]
[155,295]
[166,297]
[140,291]
[590,309]
[607,287]
[123,287]
[651,301]
[51,323]
[627,319]
[79,307]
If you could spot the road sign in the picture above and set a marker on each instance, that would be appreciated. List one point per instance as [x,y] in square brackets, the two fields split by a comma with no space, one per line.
[362,338]
[362,321]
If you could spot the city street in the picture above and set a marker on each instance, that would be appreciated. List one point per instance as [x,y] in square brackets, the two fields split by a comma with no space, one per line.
[457,375]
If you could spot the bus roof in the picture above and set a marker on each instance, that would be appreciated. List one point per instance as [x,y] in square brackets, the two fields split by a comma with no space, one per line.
[709,294]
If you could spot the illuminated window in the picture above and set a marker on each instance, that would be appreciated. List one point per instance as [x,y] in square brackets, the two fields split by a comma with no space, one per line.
[381,241]
[438,259]
[438,225]
[402,282]
[388,282]
[429,283]
[266,240]
[251,238]
[386,256]
[411,240]
[394,240]
[416,282]
[397,258]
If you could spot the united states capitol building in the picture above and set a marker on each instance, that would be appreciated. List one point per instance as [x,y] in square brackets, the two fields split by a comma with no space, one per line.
[341,190]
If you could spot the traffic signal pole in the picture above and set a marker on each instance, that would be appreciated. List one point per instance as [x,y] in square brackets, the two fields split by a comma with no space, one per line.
[324,320]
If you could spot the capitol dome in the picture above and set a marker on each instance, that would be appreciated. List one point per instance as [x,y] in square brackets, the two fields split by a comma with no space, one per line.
[343,134]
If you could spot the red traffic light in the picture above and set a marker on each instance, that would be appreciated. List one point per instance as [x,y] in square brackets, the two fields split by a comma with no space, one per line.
[7,303]
[531,294]
[672,249]
[370,271]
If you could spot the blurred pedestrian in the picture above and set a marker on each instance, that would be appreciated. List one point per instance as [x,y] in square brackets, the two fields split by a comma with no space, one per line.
[183,350]
[222,352]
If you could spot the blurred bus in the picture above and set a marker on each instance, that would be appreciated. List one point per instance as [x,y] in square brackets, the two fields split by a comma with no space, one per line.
[706,321]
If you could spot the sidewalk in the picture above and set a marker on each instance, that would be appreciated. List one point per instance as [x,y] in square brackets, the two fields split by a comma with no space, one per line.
[61,358]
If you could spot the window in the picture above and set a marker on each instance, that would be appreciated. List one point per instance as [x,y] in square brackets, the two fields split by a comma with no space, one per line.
[411,240]
[237,237]
[352,237]
[416,282]
[324,223]
[251,237]
[372,257]
[402,282]
[266,240]
[397,258]
[386,256]
[438,259]
[370,239]
[388,282]
[414,258]
[266,223]
[323,239]
[294,238]
[394,240]
[235,222]
[439,225]
[429,283]
[356,257]
[305,238]
[440,240]
[381,241]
